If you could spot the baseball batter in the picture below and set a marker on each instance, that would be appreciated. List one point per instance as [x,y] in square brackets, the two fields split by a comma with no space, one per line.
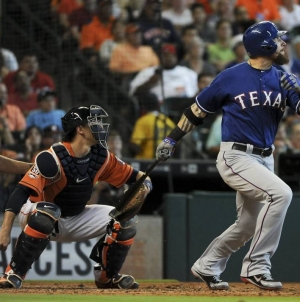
[253,96]
[51,202]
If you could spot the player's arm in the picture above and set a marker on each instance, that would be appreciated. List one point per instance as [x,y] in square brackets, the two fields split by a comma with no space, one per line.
[8,165]
[13,207]
[192,117]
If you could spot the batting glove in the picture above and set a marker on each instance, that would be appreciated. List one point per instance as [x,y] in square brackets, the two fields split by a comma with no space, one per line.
[165,149]
[290,82]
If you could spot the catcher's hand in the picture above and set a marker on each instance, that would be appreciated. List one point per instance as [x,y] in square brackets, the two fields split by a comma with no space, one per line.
[165,149]
[290,82]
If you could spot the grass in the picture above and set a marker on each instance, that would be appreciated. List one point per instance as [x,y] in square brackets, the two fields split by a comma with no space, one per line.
[137,298]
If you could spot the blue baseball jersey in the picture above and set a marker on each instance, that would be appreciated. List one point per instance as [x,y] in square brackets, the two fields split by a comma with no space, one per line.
[252,101]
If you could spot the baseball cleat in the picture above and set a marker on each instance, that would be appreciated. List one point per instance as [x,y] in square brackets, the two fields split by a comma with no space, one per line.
[264,281]
[213,282]
[10,280]
[121,282]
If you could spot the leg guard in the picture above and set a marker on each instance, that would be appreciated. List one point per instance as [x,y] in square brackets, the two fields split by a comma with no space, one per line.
[112,249]
[35,237]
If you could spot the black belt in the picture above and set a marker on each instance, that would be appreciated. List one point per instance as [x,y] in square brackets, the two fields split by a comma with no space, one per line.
[257,151]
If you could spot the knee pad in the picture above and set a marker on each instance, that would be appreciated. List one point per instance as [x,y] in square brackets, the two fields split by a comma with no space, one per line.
[112,249]
[44,218]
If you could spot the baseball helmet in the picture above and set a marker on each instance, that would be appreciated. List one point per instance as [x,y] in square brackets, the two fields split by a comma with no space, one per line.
[92,116]
[259,38]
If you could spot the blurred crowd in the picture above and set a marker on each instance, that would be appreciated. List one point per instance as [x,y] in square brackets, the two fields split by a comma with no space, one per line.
[161,53]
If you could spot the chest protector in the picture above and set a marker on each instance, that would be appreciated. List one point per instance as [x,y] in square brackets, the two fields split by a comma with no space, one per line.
[80,174]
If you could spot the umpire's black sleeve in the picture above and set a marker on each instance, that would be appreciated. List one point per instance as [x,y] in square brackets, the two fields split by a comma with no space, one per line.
[17,198]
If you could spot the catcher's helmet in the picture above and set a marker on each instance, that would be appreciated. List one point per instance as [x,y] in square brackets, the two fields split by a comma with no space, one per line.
[259,38]
[92,116]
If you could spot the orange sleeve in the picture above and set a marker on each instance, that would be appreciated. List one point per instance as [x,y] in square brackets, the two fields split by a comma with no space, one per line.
[20,119]
[273,11]
[34,180]
[115,59]
[116,172]
[87,36]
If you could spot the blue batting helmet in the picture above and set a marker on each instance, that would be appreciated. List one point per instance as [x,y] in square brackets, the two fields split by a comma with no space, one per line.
[259,38]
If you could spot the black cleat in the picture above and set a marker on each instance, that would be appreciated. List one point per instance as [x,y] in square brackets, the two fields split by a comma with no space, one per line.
[10,280]
[121,282]
[213,282]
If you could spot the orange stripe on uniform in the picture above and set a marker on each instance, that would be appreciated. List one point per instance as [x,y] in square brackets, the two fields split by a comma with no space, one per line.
[33,233]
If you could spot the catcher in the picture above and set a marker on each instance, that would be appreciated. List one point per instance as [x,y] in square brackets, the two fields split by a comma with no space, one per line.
[51,202]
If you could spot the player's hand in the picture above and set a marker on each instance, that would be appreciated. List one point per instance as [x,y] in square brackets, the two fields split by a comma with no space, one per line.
[290,82]
[4,240]
[165,149]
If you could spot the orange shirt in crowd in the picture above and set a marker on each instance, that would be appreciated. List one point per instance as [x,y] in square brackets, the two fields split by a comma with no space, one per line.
[126,58]
[261,10]
[95,33]
[67,6]
[207,6]
[14,117]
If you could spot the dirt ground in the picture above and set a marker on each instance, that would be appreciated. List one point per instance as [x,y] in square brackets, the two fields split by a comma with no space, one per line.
[153,289]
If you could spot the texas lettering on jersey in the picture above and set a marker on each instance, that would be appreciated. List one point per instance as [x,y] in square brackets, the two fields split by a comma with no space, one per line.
[266,98]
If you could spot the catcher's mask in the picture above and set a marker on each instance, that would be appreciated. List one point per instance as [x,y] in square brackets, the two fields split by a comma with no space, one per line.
[92,116]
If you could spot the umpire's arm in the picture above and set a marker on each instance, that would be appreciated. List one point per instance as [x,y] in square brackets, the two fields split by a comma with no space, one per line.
[8,165]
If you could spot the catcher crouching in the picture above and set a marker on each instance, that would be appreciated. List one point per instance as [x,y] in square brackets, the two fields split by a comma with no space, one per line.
[51,202]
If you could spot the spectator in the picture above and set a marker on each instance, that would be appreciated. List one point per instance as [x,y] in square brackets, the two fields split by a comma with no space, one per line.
[3,69]
[156,31]
[149,129]
[131,57]
[178,81]
[212,145]
[294,137]
[179,14]
[22,95]
[75,20]
[107,47]
[130,9]
[194,57]
[51,135]
[96,32]
[30,65]
[281,143]
[220,53]
[223,10]
[290,14]
[47,114]
[239,51]
[261,10]
[64,9]
[12,118]
[204,80]
[199,17]
[241,20]
[33,143]
[10,60]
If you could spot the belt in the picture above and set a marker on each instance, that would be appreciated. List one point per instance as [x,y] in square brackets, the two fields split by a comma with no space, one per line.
[257,151]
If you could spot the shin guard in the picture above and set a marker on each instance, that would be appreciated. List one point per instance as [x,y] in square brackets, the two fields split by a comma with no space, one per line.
[112,249]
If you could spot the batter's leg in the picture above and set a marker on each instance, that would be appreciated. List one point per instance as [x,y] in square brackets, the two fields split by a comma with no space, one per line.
[214,259]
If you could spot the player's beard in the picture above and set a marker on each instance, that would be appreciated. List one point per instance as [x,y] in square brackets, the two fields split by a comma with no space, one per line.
[281,59]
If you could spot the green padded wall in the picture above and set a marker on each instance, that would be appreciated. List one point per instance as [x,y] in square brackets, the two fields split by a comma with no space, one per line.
[205,215]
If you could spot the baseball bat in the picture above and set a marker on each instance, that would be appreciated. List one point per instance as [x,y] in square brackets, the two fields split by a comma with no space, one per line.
[131,192]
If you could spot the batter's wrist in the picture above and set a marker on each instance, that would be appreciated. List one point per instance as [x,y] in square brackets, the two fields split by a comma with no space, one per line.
[176,134]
